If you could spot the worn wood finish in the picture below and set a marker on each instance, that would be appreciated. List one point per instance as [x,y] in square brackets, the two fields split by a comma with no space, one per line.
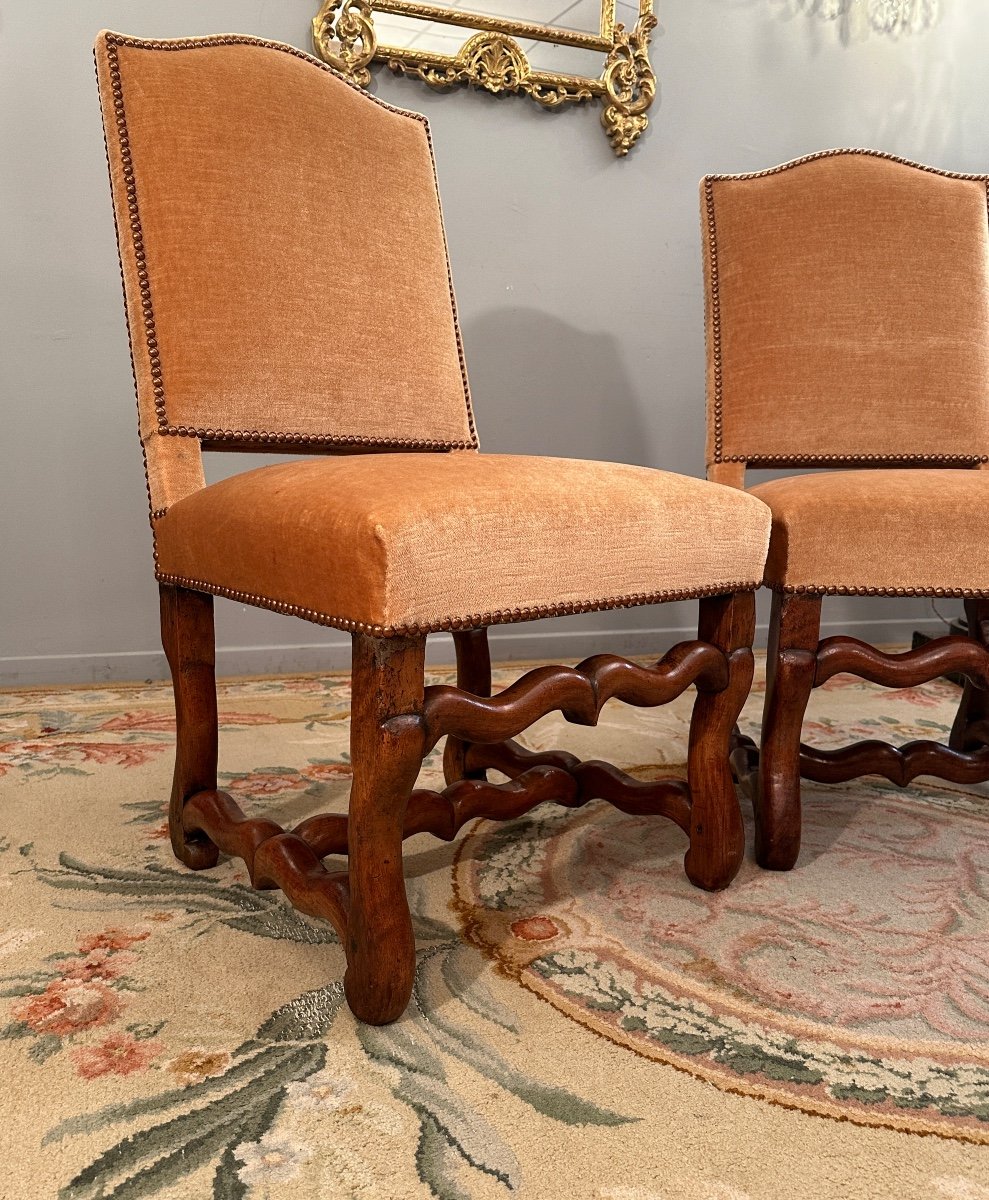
[900,765]
[578,692]
[474,676]
[190,648]
[717,836]
[443,814]
[970,730]
[797,662]
[791,662]
[512,759]
[837,655]
[218,817]
[396,721]
[386,750]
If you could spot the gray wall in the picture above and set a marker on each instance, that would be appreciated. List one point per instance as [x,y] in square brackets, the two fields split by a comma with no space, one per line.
[578,277]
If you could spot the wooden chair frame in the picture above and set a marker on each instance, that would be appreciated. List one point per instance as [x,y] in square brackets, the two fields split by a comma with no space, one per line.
[756,419]
[396,722]
[797,662]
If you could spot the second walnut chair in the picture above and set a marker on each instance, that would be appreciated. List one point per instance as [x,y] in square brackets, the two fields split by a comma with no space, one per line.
[287,288]
[848,326]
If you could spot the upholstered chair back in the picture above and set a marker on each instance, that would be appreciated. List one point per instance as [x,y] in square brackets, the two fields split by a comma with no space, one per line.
[283,254]
[847,314]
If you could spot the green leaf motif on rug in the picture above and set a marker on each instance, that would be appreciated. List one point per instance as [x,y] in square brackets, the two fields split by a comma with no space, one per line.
[217,1119]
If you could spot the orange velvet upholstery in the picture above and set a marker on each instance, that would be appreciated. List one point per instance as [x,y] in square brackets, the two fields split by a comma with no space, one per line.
[847,313]
[892,532]
[848,324]
[287,286]
[283,256]
[401,543]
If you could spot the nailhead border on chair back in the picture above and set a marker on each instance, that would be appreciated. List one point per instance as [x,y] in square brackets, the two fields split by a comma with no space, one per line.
[847,313]
[283,290]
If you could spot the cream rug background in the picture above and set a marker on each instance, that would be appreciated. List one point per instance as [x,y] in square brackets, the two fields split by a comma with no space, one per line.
[585,1024]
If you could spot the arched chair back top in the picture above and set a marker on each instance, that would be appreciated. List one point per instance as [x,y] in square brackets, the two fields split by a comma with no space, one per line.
[286,277]
[847,314]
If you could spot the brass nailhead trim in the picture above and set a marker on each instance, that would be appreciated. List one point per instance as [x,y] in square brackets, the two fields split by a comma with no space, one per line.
[147,309]
[797,460]
[803,589]
[472,621]
[715,302]
[311,439]
[453,298]
[802,460]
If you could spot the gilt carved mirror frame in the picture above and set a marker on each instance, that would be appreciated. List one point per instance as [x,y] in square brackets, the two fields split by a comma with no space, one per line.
[492,57]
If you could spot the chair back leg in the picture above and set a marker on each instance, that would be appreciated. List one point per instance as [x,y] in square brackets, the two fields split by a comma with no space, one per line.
[188,639]
[791,663]
[474,676]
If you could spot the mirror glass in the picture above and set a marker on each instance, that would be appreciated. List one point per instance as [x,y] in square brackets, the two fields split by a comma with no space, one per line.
[582,16]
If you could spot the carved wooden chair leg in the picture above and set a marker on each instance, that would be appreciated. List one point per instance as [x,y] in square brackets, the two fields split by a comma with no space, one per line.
[473,675]
[970,730]
[791,663]
[717,836]
[187,637]
[386,743]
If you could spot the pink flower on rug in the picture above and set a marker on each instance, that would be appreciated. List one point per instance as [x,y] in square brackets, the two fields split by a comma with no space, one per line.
[151,722]
[119,1054]
[97,964]
[331,770]
[535,929]
[266,783]
[112,938]
[68,1006]
[160,833]
[131,754]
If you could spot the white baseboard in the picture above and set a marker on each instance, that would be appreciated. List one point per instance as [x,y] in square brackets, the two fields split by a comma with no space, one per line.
[508,644]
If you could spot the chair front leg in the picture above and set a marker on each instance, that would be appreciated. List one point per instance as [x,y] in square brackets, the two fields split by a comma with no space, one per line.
[386,748]
[970,730]
[474,676]
[794,633]
[188,639]
[717,835]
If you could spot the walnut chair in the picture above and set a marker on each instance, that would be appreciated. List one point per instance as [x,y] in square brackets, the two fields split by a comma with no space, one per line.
[287,289]
[848,326]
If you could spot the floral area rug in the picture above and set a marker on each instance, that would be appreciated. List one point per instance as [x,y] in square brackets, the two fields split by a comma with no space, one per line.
[585,1024]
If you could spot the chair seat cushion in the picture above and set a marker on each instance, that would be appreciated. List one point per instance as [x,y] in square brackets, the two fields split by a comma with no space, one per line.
[875,532]
[408,543]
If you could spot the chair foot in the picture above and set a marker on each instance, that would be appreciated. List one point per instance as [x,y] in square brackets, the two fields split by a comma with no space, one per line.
[188,641]
[717,835]
[386,743]
[791,663]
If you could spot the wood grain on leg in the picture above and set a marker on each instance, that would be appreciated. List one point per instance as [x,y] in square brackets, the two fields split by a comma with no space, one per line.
[386,749]
[717,836]
[188,640]
[791,663]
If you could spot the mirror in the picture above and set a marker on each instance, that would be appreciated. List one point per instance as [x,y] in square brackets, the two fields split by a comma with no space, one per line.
[594,50]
